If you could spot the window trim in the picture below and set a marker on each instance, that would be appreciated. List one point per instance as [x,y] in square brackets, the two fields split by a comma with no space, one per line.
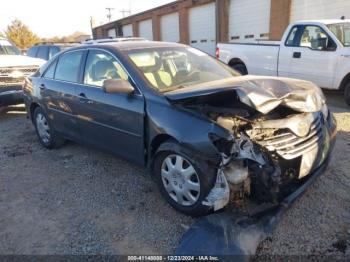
[299,35]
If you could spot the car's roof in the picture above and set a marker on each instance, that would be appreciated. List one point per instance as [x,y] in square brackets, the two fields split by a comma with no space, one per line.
[130,45]
[115,39]
[324,21]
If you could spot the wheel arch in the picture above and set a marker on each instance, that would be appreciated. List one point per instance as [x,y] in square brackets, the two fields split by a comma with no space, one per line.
[32,108]
[236,61]
[343,82]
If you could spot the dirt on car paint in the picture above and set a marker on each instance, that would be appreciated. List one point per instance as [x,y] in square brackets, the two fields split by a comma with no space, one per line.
[77,200]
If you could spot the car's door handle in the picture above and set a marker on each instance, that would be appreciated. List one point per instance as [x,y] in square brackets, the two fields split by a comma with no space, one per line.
[82,95]
[296,54]
[42,86]
[84,99]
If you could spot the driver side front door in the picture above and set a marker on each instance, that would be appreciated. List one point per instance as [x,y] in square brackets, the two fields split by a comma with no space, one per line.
[113,122]
[304,58]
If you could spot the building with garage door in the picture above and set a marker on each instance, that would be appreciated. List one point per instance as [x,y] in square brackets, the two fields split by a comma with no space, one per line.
[203,23]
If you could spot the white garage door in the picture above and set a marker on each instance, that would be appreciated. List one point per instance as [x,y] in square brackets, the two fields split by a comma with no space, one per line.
[319,9]
[127,30]
[202,28]
[145,29]
[169,27]
[249,20]
[112,33]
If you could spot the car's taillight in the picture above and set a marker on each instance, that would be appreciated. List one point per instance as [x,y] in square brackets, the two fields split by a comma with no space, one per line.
[217,52]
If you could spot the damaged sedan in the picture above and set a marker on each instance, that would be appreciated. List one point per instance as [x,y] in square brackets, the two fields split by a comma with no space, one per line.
[208,136]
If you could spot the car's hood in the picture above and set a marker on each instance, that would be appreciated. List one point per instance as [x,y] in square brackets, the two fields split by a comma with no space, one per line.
[262,93]
[19,60]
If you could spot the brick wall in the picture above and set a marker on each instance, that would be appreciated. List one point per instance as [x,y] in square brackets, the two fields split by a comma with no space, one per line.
[279,18]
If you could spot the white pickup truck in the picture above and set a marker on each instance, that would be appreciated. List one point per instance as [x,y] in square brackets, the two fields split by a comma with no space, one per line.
[14,67]
[318,51]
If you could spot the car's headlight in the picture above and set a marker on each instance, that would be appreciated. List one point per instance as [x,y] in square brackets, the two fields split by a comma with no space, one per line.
[325,111]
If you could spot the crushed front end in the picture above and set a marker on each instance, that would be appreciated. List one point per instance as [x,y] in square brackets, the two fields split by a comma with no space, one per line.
[281,132]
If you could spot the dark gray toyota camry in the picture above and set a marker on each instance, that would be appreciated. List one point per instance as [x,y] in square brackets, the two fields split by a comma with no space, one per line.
[208,136]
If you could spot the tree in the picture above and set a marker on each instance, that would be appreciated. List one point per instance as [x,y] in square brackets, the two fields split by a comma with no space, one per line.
[21,35]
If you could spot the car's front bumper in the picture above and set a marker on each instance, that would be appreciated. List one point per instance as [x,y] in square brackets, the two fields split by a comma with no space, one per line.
[11,94]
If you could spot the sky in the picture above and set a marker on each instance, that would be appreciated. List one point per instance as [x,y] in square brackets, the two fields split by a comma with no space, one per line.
[48,18]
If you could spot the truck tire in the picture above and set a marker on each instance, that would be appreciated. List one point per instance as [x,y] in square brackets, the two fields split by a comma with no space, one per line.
[347,93]
[240,68]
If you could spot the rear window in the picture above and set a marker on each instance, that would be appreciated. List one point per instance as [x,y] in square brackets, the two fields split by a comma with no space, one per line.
[42,53]
[32,51]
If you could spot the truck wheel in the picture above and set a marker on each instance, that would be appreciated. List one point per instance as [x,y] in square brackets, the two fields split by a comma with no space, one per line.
[180,180]
[240,68]
[347,93]
[47,136]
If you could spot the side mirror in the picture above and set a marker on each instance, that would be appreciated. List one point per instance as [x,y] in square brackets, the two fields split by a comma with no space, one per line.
[117,86]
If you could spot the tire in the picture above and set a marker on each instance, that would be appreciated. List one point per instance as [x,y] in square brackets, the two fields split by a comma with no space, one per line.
[241,68]
[182,183]
[47,136]
[347,93]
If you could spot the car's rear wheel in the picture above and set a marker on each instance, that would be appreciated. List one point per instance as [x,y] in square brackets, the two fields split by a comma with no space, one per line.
[241,68]
[347,93]
[181,182]
[47,136]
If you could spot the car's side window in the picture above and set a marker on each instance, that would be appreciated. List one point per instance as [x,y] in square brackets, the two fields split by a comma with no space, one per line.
[315,38]
[32,51]
[101,66]
[68,66]
[50,72]
[42,53]
[291,40]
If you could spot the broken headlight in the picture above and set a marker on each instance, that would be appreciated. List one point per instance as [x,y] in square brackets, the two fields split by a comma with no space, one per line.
[223,145]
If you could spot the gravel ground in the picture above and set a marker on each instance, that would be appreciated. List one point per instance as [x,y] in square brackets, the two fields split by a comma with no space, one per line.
[77,200]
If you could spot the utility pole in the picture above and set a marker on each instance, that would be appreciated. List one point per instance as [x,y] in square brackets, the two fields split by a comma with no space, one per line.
[125,12]
[109,15]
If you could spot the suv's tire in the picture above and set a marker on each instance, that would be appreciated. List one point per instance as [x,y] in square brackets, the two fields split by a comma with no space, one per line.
[47,136]
[241,68]
[184,190]
[347,93]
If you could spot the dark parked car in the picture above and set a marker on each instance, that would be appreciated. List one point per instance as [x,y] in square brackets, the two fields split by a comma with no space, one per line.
[47,50]
[206,134]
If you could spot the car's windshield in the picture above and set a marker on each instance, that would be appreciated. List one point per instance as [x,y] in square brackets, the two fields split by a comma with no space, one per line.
[6,48]
[168,69]
[342,32]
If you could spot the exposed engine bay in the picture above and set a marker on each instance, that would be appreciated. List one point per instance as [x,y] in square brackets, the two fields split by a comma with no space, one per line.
[271,149]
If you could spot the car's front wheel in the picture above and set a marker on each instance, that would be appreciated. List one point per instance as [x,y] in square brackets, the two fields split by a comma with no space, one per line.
[181,182]
[47,136]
